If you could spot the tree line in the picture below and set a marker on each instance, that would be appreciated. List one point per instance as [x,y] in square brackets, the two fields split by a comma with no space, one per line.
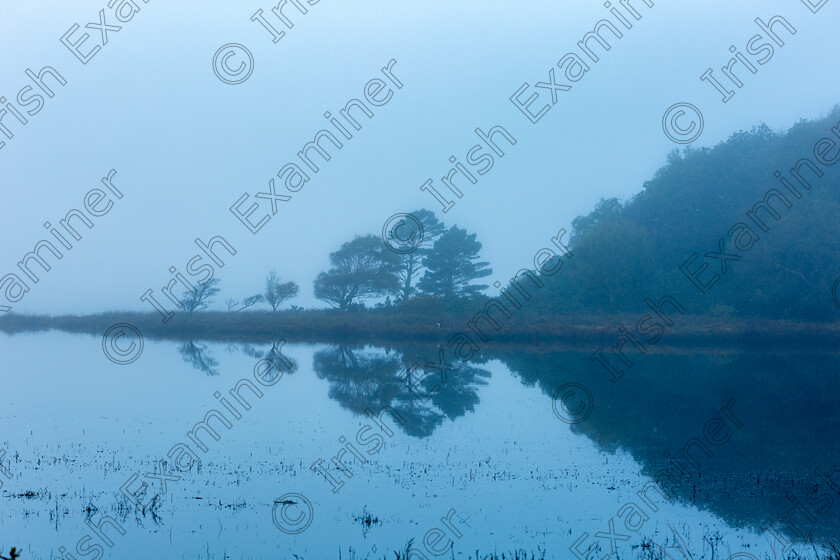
[627,250]
[445,264]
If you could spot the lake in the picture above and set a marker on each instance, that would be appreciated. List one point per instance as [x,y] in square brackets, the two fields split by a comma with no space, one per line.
[694,453]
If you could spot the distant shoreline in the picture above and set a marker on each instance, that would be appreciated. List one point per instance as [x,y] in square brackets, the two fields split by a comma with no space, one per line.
[390,326]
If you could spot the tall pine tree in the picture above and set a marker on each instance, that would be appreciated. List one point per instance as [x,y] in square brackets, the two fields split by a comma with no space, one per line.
[452,266]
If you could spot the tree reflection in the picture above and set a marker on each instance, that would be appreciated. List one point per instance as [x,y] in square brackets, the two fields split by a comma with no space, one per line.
[197,355]
[660,410]
[365,377]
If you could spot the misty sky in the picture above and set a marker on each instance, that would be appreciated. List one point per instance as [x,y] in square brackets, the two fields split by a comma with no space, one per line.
[186,146]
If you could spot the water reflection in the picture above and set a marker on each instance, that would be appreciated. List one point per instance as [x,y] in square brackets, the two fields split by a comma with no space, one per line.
[747,435]
[198,356]
[778,472]
[368,377]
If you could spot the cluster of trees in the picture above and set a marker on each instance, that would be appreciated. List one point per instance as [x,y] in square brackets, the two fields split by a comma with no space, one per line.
[445,264]
[626,251]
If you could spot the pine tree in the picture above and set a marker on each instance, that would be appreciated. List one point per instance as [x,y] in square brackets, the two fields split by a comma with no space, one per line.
[452,265]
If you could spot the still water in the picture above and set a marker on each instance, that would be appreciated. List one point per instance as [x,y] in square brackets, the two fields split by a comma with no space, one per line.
[485,459]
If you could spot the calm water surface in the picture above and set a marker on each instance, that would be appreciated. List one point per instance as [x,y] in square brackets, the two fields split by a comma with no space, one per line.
[488,445]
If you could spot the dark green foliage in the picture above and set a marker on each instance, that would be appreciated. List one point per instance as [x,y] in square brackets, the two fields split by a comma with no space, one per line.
[626,251]
[362,268]
[452,265]
[411,264]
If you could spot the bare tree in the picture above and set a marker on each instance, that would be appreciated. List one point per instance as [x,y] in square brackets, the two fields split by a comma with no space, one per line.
[249,301]
[276,292]
[200,298]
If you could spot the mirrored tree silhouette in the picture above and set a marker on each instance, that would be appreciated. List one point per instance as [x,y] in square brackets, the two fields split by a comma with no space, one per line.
[368,377]
[782,466]
[274,353]
[458,382]
[198,356]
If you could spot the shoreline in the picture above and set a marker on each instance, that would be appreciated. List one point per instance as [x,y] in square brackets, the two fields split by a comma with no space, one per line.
[376,326]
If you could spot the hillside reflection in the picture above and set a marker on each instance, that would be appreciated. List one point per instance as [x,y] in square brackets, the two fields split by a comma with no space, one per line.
[767,472]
